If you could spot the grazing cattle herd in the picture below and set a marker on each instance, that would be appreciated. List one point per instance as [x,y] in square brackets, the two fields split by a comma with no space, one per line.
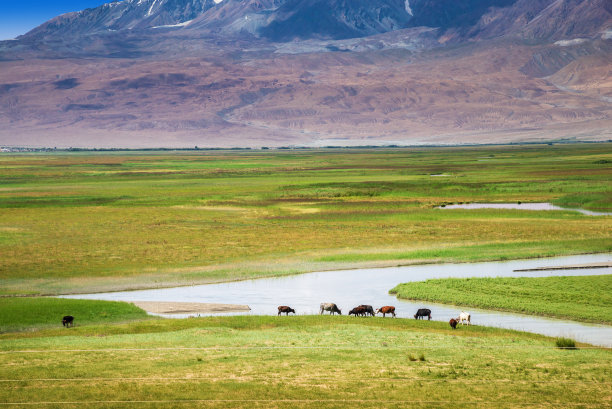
[361,310]
[364,310]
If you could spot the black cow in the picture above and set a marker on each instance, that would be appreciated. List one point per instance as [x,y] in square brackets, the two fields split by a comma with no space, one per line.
[423,312]
[285,309]
[369,309]
[68,321]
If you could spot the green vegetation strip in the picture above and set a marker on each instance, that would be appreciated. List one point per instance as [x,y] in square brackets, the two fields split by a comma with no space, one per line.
[581,298]
[31,314]
[303,361]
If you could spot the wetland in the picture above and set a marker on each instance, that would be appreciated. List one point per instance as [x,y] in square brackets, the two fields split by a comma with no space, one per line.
[79,222]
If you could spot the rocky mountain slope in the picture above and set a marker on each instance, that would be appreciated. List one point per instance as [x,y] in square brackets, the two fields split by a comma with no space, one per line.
[180,73]
[121,15]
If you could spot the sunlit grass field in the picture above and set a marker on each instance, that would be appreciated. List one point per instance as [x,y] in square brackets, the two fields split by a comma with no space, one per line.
[580,298]
[95,221]
[38,313]
[304,362]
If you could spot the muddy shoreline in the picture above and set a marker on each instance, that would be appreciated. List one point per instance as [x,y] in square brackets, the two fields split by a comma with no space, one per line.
[167,307]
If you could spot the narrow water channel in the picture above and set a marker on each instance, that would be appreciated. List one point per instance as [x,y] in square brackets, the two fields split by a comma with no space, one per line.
[522,206]
[349,288]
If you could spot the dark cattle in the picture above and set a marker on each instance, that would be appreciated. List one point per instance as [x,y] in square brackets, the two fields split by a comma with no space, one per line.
[453,323]
[331,307]
[361,310]
[285,309]
[423,312]
[68,321]
[368,309]
[387,309]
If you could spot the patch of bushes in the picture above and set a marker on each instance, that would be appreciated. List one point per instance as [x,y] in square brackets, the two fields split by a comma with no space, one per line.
[565,343]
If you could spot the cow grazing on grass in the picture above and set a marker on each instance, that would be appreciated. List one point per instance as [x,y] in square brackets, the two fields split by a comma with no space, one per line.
[361,310]
[331,307]
[285,309]
[387,309]
[422,313]
[453,323]
[68,321]
[368,309]
[464,316]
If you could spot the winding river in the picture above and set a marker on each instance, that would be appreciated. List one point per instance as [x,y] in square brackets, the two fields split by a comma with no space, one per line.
[349,288]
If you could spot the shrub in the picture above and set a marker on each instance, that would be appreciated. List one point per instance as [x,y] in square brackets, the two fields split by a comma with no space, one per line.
[565,343]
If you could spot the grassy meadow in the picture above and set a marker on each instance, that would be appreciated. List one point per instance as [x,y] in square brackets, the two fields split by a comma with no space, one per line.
[580,298]
[38,313]
[304,362]
[98,221]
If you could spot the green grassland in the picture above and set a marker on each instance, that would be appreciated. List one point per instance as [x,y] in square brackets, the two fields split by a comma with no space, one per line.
[37,313]
[99,221]
[304,362]
[581,298]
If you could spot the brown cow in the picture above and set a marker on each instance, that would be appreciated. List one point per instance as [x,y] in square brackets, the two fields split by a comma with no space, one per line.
[285,309]
[361,310]
[368,308]
[387,309]
[453,323]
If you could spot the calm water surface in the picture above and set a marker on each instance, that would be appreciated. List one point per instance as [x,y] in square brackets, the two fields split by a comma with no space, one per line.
[522,206]
[349,288]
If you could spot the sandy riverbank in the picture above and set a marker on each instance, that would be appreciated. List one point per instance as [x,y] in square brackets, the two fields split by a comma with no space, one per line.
[164,307]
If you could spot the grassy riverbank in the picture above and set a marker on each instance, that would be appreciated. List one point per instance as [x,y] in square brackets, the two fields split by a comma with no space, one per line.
[304,361]
[583,298]
[85,222]
[36,313]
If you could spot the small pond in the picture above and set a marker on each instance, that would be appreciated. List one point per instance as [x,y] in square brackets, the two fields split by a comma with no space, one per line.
[521,206]
[349,288]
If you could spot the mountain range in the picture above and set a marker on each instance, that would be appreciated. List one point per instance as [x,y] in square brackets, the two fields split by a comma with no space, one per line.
[179,73]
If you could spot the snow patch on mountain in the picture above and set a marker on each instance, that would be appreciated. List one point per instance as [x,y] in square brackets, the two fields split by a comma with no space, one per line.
[183,24]
[567,43]
[151,8]
[407,7]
